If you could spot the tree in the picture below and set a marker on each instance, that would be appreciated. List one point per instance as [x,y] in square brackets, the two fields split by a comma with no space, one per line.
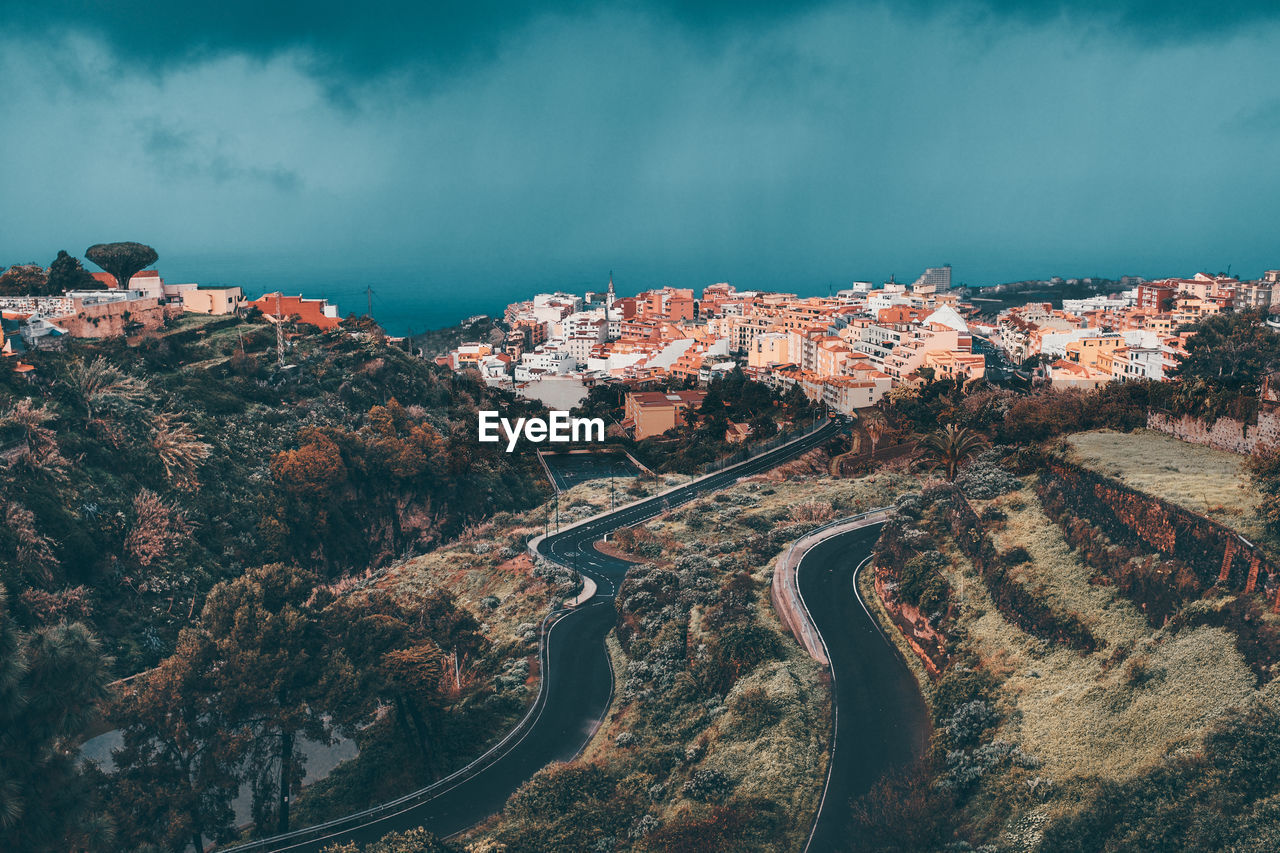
[24,280]
[875,426]
[179,448]
[314,469]
[763,426]
[397,661]
[795,402]
[100,384]
[66,273]
[1231,351]
[50,682]
[277,675]
[30,423]
[122,260]
[950,447]
[178,769]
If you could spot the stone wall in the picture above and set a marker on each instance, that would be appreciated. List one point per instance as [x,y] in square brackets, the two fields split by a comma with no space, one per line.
[111,319]
[1223,434]
[1217,554]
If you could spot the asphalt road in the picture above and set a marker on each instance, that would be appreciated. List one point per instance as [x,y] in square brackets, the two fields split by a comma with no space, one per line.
[881,719]
[577,676]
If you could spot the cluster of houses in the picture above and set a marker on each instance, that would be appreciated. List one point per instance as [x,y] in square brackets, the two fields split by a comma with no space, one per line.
[849,349]
[1136,334]
[846,350]
[146,304]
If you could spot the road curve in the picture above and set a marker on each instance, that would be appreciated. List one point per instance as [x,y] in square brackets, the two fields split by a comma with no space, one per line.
[880,719]
[575,689]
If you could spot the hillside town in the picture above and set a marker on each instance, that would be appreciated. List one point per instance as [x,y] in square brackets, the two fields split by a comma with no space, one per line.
[146,303]
[849,349]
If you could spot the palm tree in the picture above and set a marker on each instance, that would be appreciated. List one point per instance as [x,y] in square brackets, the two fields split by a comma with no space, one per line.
[179,448]
[31,424]
[950,447]
[51,681]
[875,426]
[100,382]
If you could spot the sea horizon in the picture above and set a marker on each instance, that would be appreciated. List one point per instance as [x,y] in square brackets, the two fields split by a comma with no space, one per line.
[411,301]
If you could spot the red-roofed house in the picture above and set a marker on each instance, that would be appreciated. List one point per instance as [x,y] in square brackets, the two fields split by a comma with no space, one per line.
[314,312]
[653,412]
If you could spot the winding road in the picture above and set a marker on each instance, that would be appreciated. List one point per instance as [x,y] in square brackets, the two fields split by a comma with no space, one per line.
[881,721]
[575,691]
[880,717]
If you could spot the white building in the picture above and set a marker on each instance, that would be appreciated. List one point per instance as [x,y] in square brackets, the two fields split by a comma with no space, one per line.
[887,297]
[857,290]
[544,361]
[1101,303]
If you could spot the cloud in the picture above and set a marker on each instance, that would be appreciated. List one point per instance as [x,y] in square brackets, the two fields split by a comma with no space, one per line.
[354,40]
[770,149]
[178,152]
[1263,118]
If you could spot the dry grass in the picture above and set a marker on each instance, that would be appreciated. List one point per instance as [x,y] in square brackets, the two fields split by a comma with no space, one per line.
[1056,569]
[472,577]
[1111,713]
[1201,479]
[788,760]
[808,500]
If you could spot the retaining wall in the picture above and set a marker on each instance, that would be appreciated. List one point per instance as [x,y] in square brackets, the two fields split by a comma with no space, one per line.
[1216,553]
[1223,434]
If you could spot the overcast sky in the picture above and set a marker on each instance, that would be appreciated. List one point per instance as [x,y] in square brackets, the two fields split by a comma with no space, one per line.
[786,144]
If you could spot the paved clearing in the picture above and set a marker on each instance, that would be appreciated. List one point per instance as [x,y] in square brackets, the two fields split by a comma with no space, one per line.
[572,469]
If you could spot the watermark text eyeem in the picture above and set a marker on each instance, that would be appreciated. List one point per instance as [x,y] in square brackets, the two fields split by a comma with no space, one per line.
[560,428]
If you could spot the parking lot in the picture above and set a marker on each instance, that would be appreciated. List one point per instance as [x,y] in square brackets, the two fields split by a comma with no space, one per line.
[571,469]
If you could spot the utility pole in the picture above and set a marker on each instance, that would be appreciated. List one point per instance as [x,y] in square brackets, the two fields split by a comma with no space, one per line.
[279,332]
[368,292]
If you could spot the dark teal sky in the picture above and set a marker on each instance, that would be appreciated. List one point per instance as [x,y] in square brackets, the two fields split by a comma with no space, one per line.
[454,159]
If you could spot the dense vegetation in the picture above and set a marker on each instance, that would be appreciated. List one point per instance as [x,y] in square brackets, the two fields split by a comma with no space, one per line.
[64,273]
[272,660]
[176,508]
[702,439]
[145,474]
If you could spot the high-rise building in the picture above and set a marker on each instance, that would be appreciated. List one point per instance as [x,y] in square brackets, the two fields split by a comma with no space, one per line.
[935,279]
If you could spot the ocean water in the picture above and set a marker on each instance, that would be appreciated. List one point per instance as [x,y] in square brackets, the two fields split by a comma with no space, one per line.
[417,298]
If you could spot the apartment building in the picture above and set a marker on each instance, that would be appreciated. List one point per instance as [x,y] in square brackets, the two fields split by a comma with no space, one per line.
[669,303]
[768,349]
[650,413]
